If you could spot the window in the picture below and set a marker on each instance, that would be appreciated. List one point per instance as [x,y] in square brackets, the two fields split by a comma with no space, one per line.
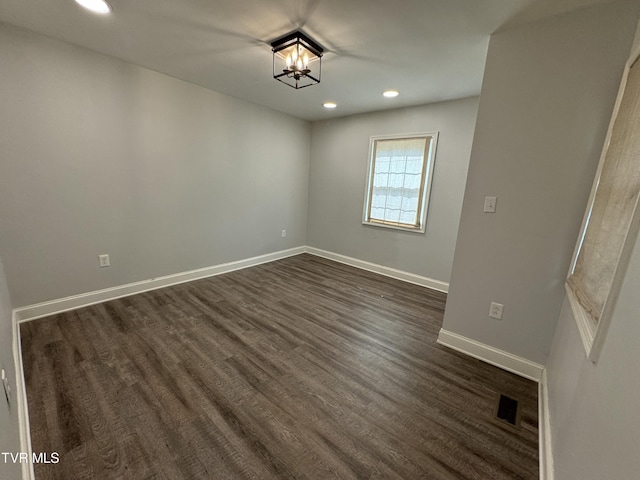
[611,222]
[399,181]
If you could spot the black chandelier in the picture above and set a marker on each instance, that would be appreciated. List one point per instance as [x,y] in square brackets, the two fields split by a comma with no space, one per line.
[299,60]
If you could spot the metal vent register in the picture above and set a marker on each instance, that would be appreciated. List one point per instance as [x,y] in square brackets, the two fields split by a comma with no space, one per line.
[508,410]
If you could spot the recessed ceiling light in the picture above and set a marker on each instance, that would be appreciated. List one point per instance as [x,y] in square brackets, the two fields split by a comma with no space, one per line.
[329,104]
[391,93]
[97,6]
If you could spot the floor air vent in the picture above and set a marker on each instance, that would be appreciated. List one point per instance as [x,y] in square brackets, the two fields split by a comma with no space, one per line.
[508,410]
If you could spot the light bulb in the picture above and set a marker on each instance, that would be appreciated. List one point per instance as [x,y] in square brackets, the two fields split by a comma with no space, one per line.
[288,61]
[299,64]
[96,6]
[305,61]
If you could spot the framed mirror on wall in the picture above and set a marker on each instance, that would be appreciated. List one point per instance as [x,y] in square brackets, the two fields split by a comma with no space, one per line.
[611,222]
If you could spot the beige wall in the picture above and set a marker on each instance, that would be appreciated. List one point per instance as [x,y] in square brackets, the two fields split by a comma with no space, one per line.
[593,408]
[100,156]
[337,182]
[548,91]
[9,435]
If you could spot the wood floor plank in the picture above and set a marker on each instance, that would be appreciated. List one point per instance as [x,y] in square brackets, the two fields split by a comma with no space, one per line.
[302,368]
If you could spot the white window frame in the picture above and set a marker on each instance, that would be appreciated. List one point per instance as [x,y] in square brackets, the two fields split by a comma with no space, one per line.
[426,181]
[592,333]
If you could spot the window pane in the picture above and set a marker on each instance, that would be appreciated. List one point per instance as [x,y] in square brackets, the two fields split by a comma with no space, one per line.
[398,167]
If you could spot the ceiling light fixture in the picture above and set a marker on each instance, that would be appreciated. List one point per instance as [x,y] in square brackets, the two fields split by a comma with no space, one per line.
[329,105]
[299,60]
[96,6]
[391,93]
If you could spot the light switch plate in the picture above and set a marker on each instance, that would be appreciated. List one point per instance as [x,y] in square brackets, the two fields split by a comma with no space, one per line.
[490,204]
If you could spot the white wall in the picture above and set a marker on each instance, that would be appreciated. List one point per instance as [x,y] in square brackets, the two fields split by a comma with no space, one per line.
[548,91]
[339,162]
[594,414]
[100,156]
[9,436]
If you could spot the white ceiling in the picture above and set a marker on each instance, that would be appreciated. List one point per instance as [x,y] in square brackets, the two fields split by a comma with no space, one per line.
[429,50]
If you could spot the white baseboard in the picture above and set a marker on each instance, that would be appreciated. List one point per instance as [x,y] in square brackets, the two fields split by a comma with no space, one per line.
[31,312]
[505,360]
[544,430]
[381,269]
[39,310]
[21,401]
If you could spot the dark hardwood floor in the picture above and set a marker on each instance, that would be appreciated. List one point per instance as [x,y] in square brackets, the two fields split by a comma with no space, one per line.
[301,368]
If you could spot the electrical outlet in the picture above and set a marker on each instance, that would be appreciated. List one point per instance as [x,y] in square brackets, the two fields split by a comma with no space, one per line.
[490,204]
[104,260]
[284,233]
[6,387]
[495,311]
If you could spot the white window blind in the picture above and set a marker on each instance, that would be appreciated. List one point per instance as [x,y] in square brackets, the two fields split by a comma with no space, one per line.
[613,206]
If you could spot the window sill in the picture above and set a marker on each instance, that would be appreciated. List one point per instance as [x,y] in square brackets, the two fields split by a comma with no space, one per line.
[395,227]
[586,326]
